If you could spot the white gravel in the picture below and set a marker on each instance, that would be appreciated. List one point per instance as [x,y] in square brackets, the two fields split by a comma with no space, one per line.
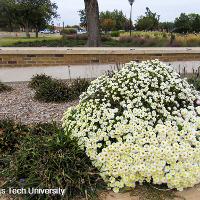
[20,105]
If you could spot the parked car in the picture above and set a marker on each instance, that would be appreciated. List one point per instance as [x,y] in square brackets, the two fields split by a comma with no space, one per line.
[46,31]
[81,31]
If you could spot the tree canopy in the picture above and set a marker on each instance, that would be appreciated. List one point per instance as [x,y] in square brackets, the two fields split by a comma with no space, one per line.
[28,13]
[148,22]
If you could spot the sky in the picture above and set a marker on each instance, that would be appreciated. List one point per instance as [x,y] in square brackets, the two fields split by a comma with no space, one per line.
[167,9]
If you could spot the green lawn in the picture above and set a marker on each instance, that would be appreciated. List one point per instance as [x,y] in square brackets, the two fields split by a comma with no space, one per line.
[5,42]
[138,39]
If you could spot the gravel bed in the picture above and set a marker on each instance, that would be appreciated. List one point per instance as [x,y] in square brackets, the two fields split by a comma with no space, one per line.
[20,105]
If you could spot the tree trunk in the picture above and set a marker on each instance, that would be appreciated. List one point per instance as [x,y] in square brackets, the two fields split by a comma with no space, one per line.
[36,32]
[10,26]
[93,24]
[27,30]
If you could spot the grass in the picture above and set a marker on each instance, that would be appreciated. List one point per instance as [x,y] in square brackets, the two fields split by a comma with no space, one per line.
[40,42]
[43,156]
[12,41]
[138,39]
[161,39]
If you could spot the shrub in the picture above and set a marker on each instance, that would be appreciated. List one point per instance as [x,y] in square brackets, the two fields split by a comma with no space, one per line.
[53,162]
[105,38]
[48,89]
[82,36]
[140,124]
[4,87]
[195,82]
[115,34]
[77,87]
[68,31]
[52,91]
[38,79]
[125,39]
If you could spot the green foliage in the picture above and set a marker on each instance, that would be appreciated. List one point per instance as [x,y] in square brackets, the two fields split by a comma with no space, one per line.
[54,161]
[77,87]
[160,39]
[110,20]
[52,91]
[182,24]
[83,18]
[63,42]
[195,81]
[149,22]
[48,89]
[115,34]
[4,87]
[117,16]
[10,135]
[166,26]
[187,23]
[195,22]
[38,79]
[28,13]
[68,31]
[8,13]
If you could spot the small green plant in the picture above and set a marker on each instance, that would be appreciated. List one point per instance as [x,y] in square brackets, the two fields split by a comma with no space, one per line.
[48,89]
[115,34]
[77,87]
[4,87]
[195,81]
[53,162]
[10,135]
[52,91]
[38,79]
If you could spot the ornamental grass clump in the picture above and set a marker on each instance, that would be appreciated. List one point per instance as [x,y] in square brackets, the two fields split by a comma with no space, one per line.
[40,156]
[140,124]
[4,88]
[48,89]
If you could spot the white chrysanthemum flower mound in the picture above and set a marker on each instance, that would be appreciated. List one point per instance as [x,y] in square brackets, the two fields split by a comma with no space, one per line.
[140,124]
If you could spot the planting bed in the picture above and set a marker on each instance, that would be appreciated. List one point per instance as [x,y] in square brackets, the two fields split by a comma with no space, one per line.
[20,105]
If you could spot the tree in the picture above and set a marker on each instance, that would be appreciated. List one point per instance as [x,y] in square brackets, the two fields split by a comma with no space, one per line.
[83,19]
[93,23]
[108,24]
[109,20]
[166,26]
[194,22]
[182,24]
[43,15]
[35,13]
[117,16]
[8,13]
[149,22]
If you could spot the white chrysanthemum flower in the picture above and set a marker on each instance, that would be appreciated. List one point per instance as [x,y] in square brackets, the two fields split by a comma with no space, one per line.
[140,124]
